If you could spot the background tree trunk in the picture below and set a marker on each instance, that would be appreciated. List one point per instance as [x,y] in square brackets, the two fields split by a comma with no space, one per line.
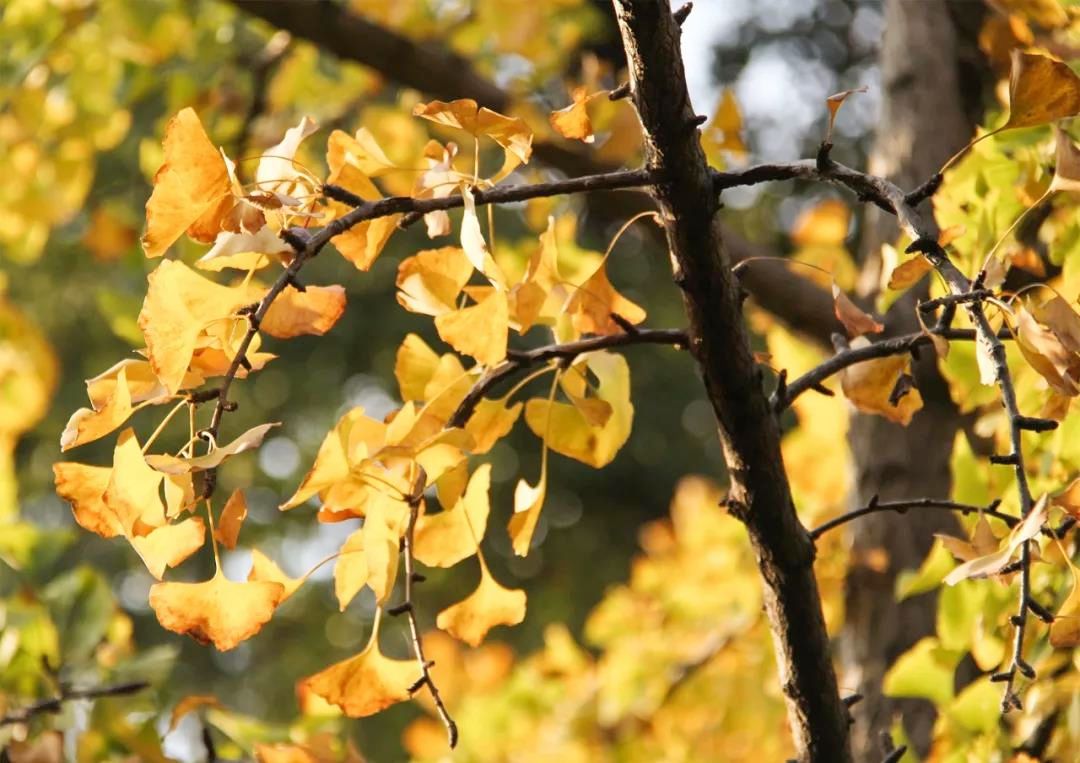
[933,78]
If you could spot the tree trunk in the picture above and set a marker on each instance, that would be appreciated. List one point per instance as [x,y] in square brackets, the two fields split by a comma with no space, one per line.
[759,495]
[932,82]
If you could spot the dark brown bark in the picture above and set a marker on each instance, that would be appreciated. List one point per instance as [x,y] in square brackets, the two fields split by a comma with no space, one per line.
[931,96]
[759,494]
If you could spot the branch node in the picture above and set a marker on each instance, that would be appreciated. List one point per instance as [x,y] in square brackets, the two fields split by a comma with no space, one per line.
[1002,676]
[624,324]
[924,191]
[1040,611]
[1004,459]
[681,14]
[824,162]
[1034,424]
[294,238]
[400,609]
[622,91]
[229,406]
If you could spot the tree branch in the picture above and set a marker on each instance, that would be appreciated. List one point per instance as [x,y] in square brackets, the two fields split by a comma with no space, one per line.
[759,495]
[55,705]
[901,507]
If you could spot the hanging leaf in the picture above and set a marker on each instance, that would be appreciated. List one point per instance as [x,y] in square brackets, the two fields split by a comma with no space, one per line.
[573,121]
[489,605]
[232,519]
[1041,90]
[248,440]
[480,330]
[217,611]
[367,683]
[909,273]
[993,563]
[446,538]
[351,569]
[1065,630]
[855,320]
[834,102]
[869,386]
[509,132]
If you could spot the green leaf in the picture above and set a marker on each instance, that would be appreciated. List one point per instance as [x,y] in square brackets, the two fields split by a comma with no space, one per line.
[937,564]
[924,671]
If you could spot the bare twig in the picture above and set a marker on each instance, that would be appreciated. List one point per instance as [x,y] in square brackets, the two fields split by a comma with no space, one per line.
[55,704]
[901,507]
[409,609]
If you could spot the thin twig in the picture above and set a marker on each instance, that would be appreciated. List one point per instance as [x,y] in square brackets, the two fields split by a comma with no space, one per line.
[409,609]
[55,705]
[901,507]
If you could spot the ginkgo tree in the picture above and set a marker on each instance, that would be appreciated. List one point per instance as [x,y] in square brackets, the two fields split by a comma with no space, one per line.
[420,478]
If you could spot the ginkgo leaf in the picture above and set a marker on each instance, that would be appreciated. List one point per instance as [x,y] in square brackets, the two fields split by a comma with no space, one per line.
[834,102]
[431,281]
[528,503]
[444,539]
[595,301]
[361,151]
[142,385]
[179,305]
[855,320]
[724,130]
[244,251]
[573,121]
[264,570]
[314,310]
[366,683]
[87,424]
[1041,90]
[232,519]
[869,386]
[179,494]
[1045,353]
[473,243]
[362,243]
[509,132]
[480,330]
[414,366]
[218,611]
[133,492]
[491,420]
[1065,630]
[83,487]
[278,171]
[384,524]
[1068,499]
[983,541]
[489,605]
[993,563]
[567,430]
[192,182]
[175,465]
[351,569]
[438,181]
[169,545]
[1060,318]
[909,273]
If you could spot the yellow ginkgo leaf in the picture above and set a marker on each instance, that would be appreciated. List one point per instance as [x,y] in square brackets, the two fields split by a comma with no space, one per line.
[480,330]
[444,539]
[834,102]
[490,421]
[384,524]
[361,151]
[1062,319]
[175,465]
[1041,90]
[870,386]
[1066,163]
[568,430]
[489,605]
[909,273]
[232,519]
[83,487]
[180,304]
[264,570]
[217,611]
[431,281]
[1047,355]
[366,683]
[314,310]
[362,243]
[509,132]
[245,251]
[414,366]
[724,130]
[473,243]
[855,320]
[351,569]
[992,563]
[88,424]
[192,183]
[133,492]
[573,121]
[1065,630]
[528,503]
[278,171]
[595,301]
[137,375]
[168,546]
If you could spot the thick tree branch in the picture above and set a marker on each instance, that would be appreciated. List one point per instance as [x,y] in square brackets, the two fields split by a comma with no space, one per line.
[759,495]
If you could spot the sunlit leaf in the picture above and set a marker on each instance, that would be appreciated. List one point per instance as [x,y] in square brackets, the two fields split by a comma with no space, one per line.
[431,281]
[573,121]
[351,569]
[479,330]
[834,102]
[855,320]
[174,465]
[1065,630]
[992,563]
[869,386]
[489,605]
[909,273]
[509,132]
[314,310]
[366,683]
[444,539]
[232,519]
[217,611]
[1041,90]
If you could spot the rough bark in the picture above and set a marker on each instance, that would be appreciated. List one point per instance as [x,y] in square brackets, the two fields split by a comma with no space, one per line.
[759,494]
[931,94]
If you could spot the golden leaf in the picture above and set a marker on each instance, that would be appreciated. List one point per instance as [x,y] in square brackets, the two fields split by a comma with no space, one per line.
[834,102]
[1041,90]
[431,281]
[218,611]
[528,502]
[480,330]
[175,465]
[1065,630]
[314,310]
[192,183]
[168,546]
[824,224]
[83,487]
[909,273]
[366,683]
[444,539]
[573,121]
[869,386]
[595,301]
[263,569]
[133,489]
[509,132]
[490,421]
[855,320]
[232,518]
[87,424]
[489,605]
[992,563]
[351,569]
[1066,163]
